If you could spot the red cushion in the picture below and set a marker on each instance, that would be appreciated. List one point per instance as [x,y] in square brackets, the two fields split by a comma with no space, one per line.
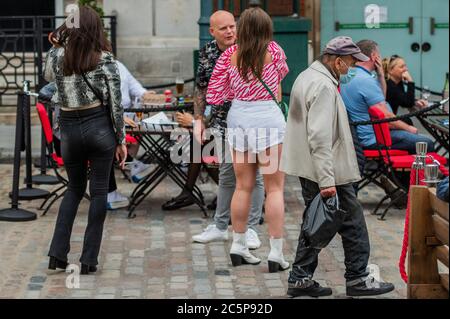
[406,161]
[45,122]
[382,131]
[439,158]
[59,161]
[376,154]
[210,160]
[444,171]
[130,139]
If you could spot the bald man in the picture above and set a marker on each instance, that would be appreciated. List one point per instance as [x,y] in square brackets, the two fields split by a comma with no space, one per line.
[223,29]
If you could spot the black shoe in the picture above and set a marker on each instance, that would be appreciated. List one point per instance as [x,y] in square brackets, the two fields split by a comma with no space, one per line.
[55,263]
[85,269]
[181,201]
[308,288]
[369,287]
[213,205]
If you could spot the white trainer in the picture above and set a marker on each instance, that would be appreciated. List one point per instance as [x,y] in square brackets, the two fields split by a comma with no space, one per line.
[253,241]
[210,234]
[140,170]
[117,201]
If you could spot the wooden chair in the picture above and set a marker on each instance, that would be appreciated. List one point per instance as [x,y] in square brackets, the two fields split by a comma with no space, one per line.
[428,244]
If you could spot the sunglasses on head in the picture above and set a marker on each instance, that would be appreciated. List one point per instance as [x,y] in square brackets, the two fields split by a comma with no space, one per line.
[393,58]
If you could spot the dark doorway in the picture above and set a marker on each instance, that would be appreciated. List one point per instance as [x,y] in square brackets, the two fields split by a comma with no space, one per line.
[17,33]
[28,8]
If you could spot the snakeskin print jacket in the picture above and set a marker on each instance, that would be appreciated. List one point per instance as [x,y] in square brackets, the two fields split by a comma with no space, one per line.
[73,92]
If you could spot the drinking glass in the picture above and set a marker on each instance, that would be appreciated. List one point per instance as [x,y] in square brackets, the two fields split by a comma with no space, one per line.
[426,93]
[138,105]
[180,85]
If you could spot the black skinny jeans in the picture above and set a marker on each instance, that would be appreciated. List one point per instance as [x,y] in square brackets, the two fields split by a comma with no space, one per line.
[87,138]
[355,237]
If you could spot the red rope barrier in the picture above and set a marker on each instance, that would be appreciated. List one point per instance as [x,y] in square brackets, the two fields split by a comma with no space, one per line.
[402,262]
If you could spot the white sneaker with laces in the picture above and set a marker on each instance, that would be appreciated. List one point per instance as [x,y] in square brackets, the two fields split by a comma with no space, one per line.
[139,171]
[253,241]
[210,234]
[117,201]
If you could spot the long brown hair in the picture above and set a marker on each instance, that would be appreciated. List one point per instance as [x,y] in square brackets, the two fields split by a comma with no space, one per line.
[255,32]
[83,46]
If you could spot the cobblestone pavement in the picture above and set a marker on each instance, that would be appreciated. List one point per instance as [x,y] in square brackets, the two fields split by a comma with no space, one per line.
[152,256]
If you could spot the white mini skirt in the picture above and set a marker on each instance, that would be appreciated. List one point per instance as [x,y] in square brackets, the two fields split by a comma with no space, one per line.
[255,126]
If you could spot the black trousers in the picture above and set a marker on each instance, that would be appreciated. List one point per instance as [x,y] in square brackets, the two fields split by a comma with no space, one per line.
[112,177]
[355,237]
[87,138]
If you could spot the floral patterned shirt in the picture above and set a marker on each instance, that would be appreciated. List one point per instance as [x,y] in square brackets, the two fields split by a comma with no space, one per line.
[208,57]
[73,92]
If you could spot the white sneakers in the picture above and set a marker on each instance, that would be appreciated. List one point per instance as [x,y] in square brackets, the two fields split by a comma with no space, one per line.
[117,201]
[210,234]
[253,241]
[139,171]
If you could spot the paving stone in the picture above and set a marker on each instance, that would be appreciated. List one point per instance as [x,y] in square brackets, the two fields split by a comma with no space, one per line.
[153,256]
[38,279]
[34,287]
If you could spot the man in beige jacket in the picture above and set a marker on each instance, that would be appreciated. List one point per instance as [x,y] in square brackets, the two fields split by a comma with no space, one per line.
[319,148]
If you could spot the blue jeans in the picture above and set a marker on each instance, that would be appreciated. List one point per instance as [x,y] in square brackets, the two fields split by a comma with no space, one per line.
[403,140]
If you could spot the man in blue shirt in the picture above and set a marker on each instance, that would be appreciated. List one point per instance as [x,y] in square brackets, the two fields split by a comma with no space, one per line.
[367,89]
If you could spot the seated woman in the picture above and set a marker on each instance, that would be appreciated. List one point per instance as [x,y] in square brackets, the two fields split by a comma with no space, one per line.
[184,199]
[400,86]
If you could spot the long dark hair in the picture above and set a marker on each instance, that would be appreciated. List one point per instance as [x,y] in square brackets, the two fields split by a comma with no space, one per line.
[83,46]
[255,31]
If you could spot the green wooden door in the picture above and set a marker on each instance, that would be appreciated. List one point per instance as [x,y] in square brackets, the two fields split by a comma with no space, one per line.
[435,33]
[403,31]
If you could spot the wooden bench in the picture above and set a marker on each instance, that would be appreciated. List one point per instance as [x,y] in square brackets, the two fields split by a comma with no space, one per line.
[428,244]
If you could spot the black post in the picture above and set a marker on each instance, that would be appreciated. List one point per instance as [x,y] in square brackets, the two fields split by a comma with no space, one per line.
[39,47]
[296,8]
[29,193]
[14,214]
[28,157]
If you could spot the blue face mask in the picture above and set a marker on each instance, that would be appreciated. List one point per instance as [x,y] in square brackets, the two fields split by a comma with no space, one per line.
[347,78]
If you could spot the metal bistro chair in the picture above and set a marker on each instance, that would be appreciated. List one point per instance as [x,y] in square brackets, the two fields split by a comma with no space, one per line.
[56,161]
[391,161]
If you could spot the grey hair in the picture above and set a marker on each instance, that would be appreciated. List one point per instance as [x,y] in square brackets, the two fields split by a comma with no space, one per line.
[367,47]
[325,57]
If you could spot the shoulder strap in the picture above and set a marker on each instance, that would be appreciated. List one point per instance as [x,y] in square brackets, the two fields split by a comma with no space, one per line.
[96,93]
[269,90]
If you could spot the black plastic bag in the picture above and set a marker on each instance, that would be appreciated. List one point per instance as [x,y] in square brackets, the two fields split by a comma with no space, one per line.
[322,220]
